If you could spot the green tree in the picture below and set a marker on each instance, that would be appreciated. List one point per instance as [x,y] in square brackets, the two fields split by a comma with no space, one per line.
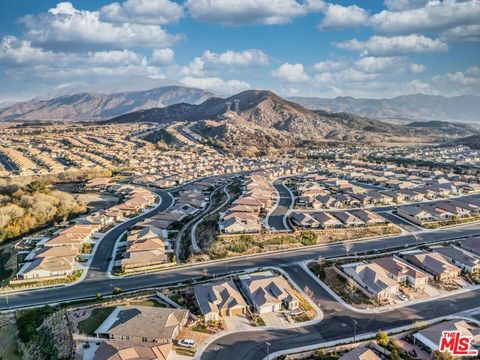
[394,355]
[382,338]
[36,186]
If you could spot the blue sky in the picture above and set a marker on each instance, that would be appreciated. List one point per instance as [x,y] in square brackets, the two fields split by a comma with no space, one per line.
[320,48]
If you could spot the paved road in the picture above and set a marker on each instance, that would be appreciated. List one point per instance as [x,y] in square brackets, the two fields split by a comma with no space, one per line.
[276,219]
[97,282]
[338,323]
[99,265]
[410,227]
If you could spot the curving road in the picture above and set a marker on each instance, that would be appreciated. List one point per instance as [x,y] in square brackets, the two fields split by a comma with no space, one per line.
[97,282]
[99,265]
[338,323]
[277,219]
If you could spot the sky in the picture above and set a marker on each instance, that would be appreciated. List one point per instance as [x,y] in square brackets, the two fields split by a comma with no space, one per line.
[369,48]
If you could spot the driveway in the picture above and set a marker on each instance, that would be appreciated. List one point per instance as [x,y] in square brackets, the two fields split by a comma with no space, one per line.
[237,323]
[275,319]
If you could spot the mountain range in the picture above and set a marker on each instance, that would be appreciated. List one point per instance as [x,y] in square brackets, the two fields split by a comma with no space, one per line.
[95,106]
[415,107]
[265,120]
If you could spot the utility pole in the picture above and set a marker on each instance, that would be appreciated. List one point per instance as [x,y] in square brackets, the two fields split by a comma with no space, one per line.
[268,349]
[354,330]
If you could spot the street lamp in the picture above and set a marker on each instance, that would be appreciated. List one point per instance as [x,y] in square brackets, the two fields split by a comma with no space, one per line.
[355,323]
[268,349]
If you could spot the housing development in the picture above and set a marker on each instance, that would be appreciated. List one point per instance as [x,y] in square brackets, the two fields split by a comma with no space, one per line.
[240,180]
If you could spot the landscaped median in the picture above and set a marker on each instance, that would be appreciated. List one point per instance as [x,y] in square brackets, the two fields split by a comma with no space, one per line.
[226,246]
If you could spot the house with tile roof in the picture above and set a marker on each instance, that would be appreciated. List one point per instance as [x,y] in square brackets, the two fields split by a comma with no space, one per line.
[219,299]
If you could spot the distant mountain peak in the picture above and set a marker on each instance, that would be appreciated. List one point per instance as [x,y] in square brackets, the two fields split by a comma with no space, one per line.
[96,106]
[413,107]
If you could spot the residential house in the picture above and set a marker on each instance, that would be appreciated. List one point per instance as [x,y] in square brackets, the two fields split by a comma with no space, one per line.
[115,350]
[219,299]
[326,220]
[240,222]
[303,220]
[268,292]
[472,244]
[435,264]
[368,217]
[348,219]
[403,272]
[47,267]
[459,257]
[429,339]
[361,353]
[143,324]
[416,214]
[371,279]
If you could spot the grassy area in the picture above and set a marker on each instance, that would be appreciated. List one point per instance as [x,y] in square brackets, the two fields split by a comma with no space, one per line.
[200,328]
[28,321]
[8,264]
[258,321]
[98,315]
[184,351]
[301,318]
[148,302]
[8,340]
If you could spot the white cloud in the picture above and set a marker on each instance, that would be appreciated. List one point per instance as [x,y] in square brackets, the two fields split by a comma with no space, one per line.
[330,65]
[399,5]
[67,28]
[396,45]
[195,67]
[235,12]
[17,52]
[434,16]
[243,58]
[216,84]
[470,78]
[371,64]
[337,16]
[162,57]
[462,33]
[150,12]
[293,73]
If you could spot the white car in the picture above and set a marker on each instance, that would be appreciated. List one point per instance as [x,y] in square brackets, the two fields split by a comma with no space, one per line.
[187,343]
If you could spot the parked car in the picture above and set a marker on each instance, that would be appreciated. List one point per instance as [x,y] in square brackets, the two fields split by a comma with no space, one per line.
[187,343]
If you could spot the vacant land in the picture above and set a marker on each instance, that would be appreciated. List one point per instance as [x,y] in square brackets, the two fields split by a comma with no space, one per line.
[340,286]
